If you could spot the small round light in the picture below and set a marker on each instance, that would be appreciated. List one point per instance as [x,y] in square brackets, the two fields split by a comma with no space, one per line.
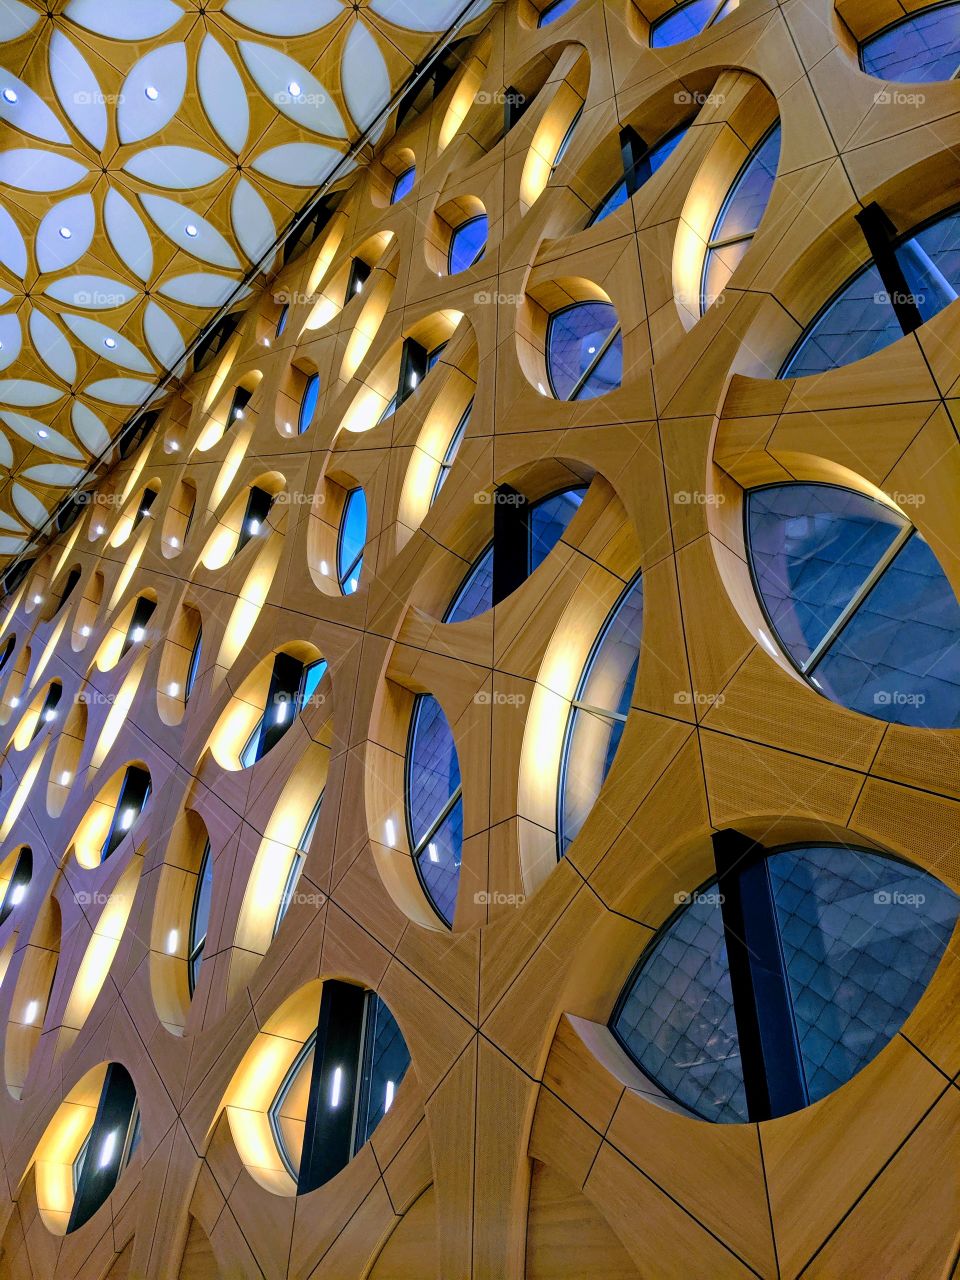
[43,434]
[591,351]
[66,233]
[110,343]
[151,92]
[191,230]
[10,95]
[293,88]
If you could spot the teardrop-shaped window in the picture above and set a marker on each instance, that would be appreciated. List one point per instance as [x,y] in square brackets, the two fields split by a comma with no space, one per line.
[858,601]
[776,983]
[434,805]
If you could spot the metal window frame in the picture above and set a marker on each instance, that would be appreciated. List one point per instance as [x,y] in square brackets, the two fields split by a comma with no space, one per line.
[417,847]
[601,351]
[344,575]
[195,945]
[452,449]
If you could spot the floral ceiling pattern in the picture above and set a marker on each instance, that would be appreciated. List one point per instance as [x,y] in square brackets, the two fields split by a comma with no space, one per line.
[151,152]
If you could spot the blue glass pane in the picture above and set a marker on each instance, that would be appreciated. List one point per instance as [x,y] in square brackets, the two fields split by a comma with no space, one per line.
[607,373]
[719,265]
[308,404]
[744,206]
[574,337]
[556,10]
[921,48]
[194,666]
[476,594]
[451,453]
[312,676]
[201,915]
[282,321]
[661,151]
[811,547]
[404,184]
[931,264]
[439,863]
[592,739]
[467,244]
[859,321]
[433,771]
[861,937]
[549,520]
[386,1058]
[682,23]
[617,197]
[899,656]
[566,139]
[353,536]
[677,1019]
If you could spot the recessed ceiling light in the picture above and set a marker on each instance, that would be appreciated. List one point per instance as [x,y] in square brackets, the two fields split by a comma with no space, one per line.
[190,229]
[110,342]
[43,434]
[66,233]
[9,95]
[151,92]
[294,89]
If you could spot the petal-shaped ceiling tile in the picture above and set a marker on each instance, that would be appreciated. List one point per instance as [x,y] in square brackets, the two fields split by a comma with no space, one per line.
[32,170]
[364,76]
[162,335]
[76,86]
[15,20]
[11,340]
[52,347]
[13,250]
[4,297]
[20,106]
[40,434]
[199,289]
[6,460]
[126,391]
[223,94]
[152,93]
[27,394]
[106,342]
[252,223]
[425,15]
[292,18]
[54,473]
[301,164]
[29,506]
[128,235]
[191,232]
[91,432]
[177,168]
[65,234]
[7,521]
[121,20]
[292,89]
[11,546]
[96,292]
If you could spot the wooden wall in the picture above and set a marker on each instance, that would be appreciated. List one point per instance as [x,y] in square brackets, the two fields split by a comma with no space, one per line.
[520,1143]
